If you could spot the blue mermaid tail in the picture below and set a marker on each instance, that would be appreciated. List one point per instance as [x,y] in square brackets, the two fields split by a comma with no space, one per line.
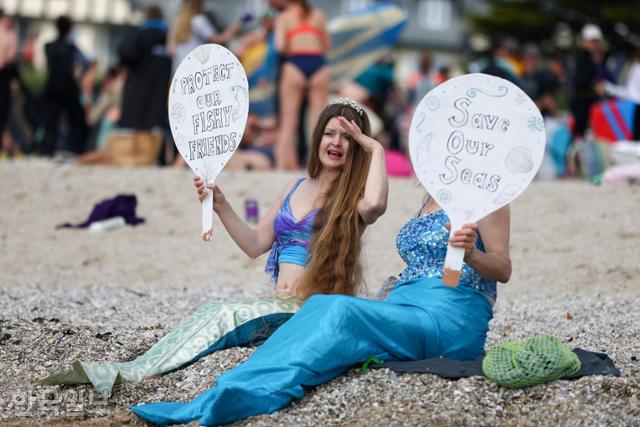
[420,319]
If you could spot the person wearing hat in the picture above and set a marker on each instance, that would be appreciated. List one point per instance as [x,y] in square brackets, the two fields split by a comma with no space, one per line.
[585,85]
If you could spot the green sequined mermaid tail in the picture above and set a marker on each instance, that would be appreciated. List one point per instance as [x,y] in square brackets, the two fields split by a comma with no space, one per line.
[214,326]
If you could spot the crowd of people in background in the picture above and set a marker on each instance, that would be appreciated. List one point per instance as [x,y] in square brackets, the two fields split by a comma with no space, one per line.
[83,113]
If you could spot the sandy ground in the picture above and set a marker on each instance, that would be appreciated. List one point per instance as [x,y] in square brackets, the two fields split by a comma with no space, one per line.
[574,250]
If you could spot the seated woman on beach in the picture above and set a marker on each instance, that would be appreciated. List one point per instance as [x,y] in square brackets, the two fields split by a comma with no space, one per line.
[313,230]
[421,318]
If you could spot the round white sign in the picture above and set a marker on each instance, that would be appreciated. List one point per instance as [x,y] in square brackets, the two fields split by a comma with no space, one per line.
[208,109]
[476,142]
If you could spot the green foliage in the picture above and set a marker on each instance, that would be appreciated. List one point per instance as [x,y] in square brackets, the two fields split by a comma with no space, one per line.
[536,20]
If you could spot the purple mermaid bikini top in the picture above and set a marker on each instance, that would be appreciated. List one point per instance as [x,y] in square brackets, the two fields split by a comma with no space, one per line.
[293,238]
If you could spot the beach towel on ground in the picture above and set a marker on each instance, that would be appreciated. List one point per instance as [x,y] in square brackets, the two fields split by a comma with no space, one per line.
[592,363]
[214,326]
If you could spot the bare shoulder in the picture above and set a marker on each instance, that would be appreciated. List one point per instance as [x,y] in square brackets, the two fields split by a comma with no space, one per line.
[287,189]
[289,186]
[285,18]
[318,16]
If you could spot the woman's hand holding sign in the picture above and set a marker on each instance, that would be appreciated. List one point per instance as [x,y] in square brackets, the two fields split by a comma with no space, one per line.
[465,238]
[203,190]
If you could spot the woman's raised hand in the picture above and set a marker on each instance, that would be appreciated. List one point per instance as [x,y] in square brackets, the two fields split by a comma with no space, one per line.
[202,190]
[366,142]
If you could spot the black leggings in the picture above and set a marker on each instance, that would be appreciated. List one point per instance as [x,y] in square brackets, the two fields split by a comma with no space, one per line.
[6,75]
[54,107]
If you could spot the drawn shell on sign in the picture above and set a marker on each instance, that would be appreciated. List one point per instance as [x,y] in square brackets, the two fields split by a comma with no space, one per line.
[178,112]
[519,160]
[240,99]
[202,54]
[507,194]
[444,196]
[422,150]
[432,103]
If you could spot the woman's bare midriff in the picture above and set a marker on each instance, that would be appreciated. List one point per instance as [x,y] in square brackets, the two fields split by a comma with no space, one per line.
[288,277]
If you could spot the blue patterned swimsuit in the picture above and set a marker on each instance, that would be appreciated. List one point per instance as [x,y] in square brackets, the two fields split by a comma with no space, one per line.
[422,244]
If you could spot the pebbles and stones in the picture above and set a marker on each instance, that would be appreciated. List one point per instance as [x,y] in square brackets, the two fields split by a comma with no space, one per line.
[67,295]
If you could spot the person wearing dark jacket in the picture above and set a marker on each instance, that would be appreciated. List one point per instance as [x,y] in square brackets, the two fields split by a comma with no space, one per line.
[61,91]
[8,72]
[146,90]
[585,87]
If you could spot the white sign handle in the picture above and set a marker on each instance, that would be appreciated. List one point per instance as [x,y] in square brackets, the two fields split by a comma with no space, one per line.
[207,216]
[452,265]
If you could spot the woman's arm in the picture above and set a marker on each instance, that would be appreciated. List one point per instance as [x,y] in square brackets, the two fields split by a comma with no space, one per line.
[374,201]
[494,263]
[227,34]
[253,242]
[326,38]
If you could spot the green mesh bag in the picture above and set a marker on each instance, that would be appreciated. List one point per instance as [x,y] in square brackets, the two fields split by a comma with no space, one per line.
[533,361]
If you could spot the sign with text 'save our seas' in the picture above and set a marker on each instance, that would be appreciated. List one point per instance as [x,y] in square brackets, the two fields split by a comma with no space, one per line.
[476,142]
[208,108]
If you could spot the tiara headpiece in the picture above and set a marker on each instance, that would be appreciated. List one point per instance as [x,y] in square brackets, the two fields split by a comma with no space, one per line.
[350,103]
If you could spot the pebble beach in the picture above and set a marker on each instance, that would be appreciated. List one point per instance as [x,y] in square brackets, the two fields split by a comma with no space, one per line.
[69,295]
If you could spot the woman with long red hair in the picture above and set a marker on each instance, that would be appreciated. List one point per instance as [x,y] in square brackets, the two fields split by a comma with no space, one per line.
[313,232]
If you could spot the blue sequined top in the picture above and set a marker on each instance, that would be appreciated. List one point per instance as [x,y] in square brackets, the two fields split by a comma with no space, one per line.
[422,244]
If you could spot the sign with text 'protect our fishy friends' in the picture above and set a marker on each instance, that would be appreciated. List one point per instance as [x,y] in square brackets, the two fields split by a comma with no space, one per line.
[208,109]
[476,142]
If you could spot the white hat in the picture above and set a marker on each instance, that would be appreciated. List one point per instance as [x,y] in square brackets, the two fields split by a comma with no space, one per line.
[591,32]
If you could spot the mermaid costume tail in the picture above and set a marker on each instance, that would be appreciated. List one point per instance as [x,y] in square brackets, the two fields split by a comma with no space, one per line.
[214,326]
[421,318]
